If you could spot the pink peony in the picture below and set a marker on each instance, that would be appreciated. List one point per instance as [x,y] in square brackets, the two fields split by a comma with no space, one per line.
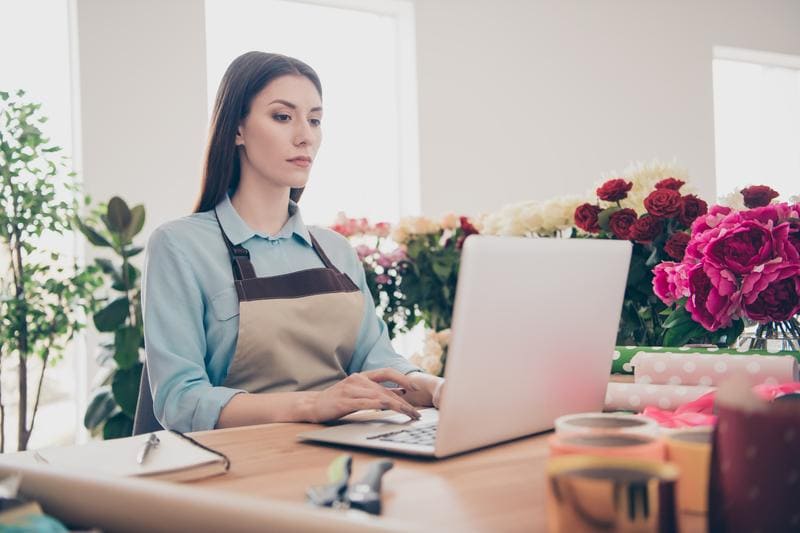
[711,219]
[381,229]
[707,305]
[772,291]
[669,281]
[740,247]
[364,251]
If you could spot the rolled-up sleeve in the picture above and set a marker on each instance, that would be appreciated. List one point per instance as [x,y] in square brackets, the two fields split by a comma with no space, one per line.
[175,341]
[373,348]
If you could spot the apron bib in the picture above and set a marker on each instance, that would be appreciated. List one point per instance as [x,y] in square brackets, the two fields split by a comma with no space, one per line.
[297,331]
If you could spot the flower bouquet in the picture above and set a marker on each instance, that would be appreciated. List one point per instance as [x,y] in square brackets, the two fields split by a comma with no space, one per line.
[380,259]
[646,207]
[738,263]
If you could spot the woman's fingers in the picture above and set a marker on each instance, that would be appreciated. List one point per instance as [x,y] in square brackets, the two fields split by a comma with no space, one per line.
[389,399]
[390,374]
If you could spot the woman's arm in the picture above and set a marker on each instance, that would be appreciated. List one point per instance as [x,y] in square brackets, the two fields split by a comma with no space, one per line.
[355,392]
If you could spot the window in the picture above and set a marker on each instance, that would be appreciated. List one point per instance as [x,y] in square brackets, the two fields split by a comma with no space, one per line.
[363,52]
[35,39]
[757,120]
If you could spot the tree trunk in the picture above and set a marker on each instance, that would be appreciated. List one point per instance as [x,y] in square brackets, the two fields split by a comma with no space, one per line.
[22,421]
[2,410]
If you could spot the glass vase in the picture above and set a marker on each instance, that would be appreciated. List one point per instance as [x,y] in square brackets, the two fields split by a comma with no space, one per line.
[773,336]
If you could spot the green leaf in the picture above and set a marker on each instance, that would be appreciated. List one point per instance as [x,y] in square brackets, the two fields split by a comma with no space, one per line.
[137,222]
[93,236]
[119,216]
[134,250]
[119,283]
[605,215]
[119,425]
[112,316]
[126,346]
[100,408]
[679,316]
[106,265]
[126,388]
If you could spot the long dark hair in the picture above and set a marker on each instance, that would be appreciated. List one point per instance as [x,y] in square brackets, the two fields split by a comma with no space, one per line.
[244,79]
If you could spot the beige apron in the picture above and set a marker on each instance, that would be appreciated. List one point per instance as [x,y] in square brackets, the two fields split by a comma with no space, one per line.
[297,331]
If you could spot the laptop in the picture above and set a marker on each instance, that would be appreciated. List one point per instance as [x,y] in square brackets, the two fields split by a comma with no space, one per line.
[533,332]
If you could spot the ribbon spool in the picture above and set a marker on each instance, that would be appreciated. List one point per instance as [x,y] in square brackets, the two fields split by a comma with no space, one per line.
[606,423]
[630,446]
[690,451]
[594,494]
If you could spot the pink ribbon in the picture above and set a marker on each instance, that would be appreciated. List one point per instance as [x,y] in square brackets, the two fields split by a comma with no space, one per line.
[700,411]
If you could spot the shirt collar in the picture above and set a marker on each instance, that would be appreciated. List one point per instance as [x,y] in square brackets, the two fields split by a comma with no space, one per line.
[238,231]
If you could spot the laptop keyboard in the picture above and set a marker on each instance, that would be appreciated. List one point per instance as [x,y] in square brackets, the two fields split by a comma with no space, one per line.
[422,435]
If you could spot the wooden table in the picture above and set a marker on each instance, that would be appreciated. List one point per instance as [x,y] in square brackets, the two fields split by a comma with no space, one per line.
[501,488]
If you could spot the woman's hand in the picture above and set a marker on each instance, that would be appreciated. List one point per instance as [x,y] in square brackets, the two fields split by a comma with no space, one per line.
[362,390]
[429,389]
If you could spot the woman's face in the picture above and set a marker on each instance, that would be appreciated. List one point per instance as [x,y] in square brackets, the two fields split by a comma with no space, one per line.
[279,138]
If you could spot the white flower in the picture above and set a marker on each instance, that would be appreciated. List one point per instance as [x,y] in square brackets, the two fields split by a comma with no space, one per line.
[734,200]
[644,176]
[451,221]
[431,364]
[795,199]
[432,348]
[416,359]
[444,337]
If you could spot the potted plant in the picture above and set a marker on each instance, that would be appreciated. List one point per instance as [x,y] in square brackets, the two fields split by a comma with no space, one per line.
[43,294]
[113,405]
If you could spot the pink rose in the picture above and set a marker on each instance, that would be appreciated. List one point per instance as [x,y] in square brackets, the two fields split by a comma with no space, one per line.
[772,291]
[669,281]
[741,247]
[381,229]
[385,261]
[707,305]
[364,251]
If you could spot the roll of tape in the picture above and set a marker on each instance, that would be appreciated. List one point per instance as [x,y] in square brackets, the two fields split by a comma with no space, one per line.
[593,494]
[606,423]
[603,445]
[690,451]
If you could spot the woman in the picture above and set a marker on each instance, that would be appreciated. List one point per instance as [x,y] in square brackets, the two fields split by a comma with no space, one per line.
[249,315]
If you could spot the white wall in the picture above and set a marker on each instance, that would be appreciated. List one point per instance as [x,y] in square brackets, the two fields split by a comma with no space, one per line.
[143,102]
[531,99]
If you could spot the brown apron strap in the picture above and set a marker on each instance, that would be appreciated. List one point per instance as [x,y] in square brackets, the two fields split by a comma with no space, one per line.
[240,257]
[321,253]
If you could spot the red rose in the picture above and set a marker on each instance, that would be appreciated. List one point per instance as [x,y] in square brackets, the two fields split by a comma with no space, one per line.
[758,196]
[676,245]
[620,222]
[614,190]
[663,203]
[672,184]
[586,217]
[468,229]
[646,229]
[691,208]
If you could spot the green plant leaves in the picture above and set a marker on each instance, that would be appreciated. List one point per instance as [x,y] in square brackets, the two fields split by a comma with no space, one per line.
[136,224]
[91,234]
[112,316]
[126,346]
[100,408]
[119,425]
[125,386]
[119,216]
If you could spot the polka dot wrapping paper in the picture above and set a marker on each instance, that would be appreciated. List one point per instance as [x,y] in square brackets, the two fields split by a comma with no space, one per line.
[622,355]
[755,466]
[637,396]
[708,369]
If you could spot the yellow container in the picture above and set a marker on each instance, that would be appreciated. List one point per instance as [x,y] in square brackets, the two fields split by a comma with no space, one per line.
[690,451]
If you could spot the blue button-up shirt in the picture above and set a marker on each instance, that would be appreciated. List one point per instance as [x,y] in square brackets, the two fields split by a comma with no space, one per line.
[191,310]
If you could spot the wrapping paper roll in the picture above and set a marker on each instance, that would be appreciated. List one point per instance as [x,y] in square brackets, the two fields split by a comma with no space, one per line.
[690,451]
[755,463]
[676,368]
[627,446]
[593,494]
[637,396]
[622,355]
[605,423]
